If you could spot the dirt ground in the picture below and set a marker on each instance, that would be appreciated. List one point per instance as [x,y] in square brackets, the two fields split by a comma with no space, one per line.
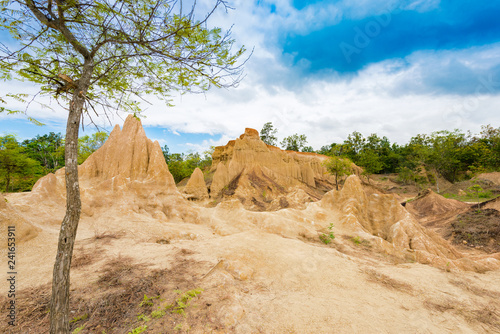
[479,228]
[132,272]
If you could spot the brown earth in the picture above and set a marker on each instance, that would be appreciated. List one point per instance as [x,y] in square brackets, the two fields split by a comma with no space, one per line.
[466,225]
[433,210]
[237,270]
[478,228]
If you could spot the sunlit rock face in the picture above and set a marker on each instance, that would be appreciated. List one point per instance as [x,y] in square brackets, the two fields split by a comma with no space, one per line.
[264,177]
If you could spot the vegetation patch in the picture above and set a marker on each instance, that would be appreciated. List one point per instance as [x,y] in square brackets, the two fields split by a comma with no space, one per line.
[327,237]
[128,298]
[478,228]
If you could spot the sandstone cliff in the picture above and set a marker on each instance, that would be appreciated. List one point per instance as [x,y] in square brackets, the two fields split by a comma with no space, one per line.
[397,230]
[264,177]
[128,172]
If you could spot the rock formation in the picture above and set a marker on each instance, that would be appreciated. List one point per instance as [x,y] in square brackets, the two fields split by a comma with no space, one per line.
[128,172]
[24,230]
[127,181]
[428,203]
[196,188]
[494,177]
[262,176]
[398,231]
[128,154]
[434,211]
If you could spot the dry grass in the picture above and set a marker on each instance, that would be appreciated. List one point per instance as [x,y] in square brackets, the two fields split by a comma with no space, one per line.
[111,303]
[388,282]
[107,235]
[487,316]
[478,291]
[82,257]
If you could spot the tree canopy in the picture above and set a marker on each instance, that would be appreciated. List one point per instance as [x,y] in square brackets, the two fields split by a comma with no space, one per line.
[128,49]
[339,167]
[15,165]
[295,142]
[268,134]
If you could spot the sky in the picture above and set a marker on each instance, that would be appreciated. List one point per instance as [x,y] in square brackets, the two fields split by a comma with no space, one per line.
[328,68]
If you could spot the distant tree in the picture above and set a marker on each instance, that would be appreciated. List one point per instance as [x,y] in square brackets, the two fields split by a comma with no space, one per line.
[491,137]
[177,166]
[207,157]
[109,54]
[14,163]
[353,146]
[89,144]
[442,155]
[48,149]
[339,167]
[371,163]
[166,154]
[307,149]
[294,142]
[267,134]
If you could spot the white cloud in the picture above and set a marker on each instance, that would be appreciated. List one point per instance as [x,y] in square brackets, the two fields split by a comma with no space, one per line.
[395,98]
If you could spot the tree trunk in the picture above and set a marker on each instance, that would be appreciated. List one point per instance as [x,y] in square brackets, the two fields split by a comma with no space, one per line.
[59,304]
[437,181]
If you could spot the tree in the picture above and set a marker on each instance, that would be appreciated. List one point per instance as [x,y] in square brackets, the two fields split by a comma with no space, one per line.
[165,150]
[339,167]
[94,54]
[89,144]
[294,142]
[14,162]
[48,149]
[267,134]
[353,145]
[307,149]
[371,163]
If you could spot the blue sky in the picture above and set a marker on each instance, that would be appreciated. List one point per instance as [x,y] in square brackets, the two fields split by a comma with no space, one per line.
[328,68]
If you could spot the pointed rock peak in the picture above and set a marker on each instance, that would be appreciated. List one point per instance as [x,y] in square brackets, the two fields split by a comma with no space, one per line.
[133,126]
[197,174]
[129,154]
[115,133]
[196,187]
[116,129]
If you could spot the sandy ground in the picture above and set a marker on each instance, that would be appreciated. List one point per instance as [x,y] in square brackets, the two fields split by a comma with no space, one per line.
[260,280]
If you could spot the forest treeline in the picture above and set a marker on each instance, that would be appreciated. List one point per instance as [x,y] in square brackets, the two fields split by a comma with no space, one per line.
[22,163]
[454,155]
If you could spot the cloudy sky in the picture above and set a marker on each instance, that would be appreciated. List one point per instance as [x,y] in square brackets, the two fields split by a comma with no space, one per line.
[328,68]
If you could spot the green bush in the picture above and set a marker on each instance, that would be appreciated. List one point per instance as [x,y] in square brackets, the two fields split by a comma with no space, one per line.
[327,238]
